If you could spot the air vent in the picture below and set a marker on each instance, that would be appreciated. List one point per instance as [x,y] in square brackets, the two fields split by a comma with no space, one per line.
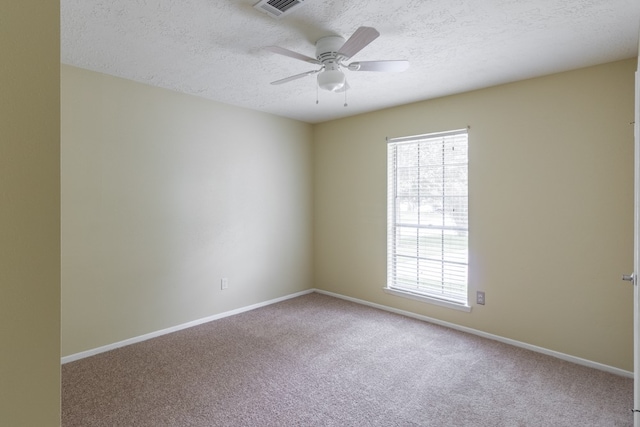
[278,8]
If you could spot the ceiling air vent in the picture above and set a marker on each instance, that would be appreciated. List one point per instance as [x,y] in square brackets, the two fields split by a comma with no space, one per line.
[278,8]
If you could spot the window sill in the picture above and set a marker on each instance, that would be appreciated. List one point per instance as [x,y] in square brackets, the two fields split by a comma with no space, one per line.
[427,299]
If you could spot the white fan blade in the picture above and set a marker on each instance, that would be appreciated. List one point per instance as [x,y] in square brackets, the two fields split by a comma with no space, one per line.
[296,77]
[292,54]
[358,41]
[394,65]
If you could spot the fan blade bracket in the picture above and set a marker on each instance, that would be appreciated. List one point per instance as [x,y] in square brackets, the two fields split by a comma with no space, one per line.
[385,66]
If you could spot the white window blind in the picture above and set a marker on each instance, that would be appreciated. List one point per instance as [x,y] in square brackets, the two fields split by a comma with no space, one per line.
[427,223]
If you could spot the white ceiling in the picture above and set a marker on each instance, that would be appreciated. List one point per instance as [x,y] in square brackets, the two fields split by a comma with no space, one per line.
[212,48]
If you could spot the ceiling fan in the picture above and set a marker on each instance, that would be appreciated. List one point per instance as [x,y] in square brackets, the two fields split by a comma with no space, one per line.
[331,52]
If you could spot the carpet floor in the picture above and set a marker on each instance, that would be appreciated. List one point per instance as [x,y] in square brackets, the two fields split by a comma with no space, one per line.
[316,360]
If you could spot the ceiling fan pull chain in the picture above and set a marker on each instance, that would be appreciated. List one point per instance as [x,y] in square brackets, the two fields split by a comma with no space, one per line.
[317,100]
[345,94]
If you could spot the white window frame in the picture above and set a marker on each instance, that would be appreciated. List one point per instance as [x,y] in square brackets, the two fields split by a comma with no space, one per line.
[396,285]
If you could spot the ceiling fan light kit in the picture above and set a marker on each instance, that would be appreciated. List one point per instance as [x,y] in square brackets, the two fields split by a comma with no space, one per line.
[331,51]
[331,80]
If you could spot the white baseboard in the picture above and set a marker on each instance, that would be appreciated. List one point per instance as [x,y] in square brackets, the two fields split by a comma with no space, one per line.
[556,354]
[134,340]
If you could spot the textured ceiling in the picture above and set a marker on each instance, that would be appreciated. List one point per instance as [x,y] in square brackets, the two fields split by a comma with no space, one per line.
[212,48]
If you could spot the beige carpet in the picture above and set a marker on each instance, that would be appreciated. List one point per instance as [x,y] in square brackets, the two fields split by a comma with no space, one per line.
[320,361]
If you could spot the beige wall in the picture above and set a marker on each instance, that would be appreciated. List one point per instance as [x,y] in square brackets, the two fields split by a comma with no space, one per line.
[30,213]
[163,194]
[551,208]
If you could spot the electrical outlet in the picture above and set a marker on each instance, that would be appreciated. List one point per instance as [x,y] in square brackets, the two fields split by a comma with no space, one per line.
[224,283]
[480,297]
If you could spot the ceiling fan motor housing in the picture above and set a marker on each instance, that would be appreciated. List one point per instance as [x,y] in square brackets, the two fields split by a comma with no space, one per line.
[331,78]
[327,47]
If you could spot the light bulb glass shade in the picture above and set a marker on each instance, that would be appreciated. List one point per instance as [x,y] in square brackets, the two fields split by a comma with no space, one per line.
[331,80]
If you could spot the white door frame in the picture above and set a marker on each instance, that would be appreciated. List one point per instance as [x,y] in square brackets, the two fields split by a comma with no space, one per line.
[636,254]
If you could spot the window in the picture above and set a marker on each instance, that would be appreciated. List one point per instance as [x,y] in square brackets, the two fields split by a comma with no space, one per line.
[427,222]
